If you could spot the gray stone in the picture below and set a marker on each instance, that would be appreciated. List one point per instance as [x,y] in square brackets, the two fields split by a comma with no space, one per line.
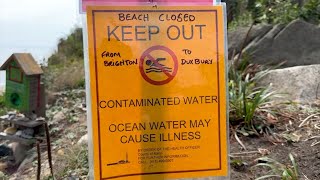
[83,140]
[27,162]
[19,151]
[59,116]
[5,151]
[298,43]
[300,83]
[237,37]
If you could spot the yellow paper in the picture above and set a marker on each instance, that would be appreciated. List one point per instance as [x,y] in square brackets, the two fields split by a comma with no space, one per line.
[158,92]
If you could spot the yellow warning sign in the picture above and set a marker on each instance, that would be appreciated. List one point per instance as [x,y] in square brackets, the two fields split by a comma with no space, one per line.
[158,92]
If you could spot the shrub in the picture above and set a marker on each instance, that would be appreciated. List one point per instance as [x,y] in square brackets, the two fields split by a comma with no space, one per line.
[311,11]
[244,97]
[3,109]
[72,164]
[285,172]
[62,77]
[274,11]
[69,49]
[65,68]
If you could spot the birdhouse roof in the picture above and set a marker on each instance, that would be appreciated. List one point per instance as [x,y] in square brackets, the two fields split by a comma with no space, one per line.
[26,62]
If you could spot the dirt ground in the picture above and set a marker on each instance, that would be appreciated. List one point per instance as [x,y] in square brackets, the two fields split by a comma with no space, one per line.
[296,132]
[307,158]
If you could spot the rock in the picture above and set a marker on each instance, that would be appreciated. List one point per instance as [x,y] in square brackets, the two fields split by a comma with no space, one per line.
[237,37]
[19,151]
[298,43]
[27,161]
[300,83]
[10,130]
[73,177]
[83,140]
[5,150]
[51,97]
[60,152]
[59,116]
[3,166]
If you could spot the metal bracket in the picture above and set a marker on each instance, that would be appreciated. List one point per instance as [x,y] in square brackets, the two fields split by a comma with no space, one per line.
[153,3]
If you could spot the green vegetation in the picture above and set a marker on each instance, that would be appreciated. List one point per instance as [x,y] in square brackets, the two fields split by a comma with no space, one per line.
[3,109]
[74,160]
[3,176]
[246,12]
[65,68]
[69,49]
[285,172]
[246,99]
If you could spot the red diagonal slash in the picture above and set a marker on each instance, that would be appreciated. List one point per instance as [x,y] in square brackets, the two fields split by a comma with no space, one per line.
[147,55]
[159,66]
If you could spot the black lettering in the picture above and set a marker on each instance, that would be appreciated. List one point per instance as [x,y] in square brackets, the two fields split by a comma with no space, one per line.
[200,28]
[179,18]
[112,128]
[197,135]
[110,33]
[121,130]
[146,17]
[184,33]
[178,32]
[215,98]
[160,17]
[123,33]
[193,124]
[190,135]
[102,106]
[108,104]
[123,141]
[121,17]
[139,32]
[192,18]
[153,30]
[176,100]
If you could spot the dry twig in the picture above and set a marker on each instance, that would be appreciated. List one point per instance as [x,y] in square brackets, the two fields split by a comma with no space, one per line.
[239,141]
[313,137]
[246,152]
[306,119]
[315,143]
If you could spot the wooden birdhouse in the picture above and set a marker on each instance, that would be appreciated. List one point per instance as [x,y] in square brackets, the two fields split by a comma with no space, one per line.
[24,91]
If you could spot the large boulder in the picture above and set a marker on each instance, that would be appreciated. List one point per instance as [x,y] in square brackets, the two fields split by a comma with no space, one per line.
[300,83]
[238,38]
[297,43]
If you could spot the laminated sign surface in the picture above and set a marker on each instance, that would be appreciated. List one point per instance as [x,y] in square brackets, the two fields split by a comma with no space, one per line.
[158,92]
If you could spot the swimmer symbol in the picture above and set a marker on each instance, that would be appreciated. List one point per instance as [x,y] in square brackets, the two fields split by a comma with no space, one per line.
[155,68]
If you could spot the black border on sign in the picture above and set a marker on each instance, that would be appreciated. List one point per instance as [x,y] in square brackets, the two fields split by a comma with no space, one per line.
[97,92]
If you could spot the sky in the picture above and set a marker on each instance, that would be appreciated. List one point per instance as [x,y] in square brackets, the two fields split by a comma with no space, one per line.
[35,26]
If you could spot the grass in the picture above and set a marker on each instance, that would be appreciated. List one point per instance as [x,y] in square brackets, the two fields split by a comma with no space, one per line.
[3,109]
[285,172]
[72,163]
[65,76]
[64,69]
[3,176]
[245,97]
